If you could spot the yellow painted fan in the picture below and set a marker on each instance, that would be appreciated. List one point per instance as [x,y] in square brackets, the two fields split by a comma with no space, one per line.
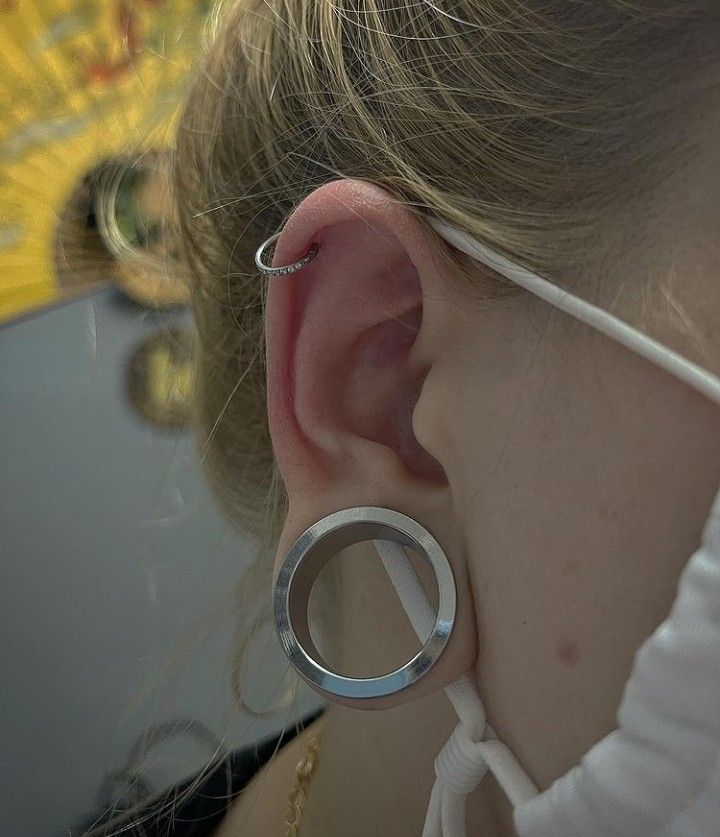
[89,94]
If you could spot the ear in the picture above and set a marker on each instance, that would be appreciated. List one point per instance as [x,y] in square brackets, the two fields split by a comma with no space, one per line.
[352,339]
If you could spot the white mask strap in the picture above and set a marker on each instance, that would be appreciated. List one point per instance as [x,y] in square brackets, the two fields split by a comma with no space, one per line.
[473,748]
[606,323]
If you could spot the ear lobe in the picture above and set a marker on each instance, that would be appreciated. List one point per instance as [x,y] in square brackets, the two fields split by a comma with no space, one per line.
[343,378]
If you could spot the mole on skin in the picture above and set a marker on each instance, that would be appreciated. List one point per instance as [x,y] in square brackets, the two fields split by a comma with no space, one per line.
[568,652]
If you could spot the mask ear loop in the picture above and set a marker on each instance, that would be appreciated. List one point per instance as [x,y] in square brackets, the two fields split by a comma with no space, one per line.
[466,757]
[604,322]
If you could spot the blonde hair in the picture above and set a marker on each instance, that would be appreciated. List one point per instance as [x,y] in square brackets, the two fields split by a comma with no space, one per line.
[529,124]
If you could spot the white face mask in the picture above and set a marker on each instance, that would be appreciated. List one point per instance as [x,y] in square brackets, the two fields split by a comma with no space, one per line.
[658,773]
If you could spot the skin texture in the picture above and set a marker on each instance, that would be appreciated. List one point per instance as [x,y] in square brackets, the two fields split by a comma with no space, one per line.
[566,478]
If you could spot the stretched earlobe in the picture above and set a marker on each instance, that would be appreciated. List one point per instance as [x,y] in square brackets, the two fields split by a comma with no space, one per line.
[311,552]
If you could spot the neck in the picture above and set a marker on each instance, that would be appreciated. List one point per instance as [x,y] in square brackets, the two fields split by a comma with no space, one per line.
[376,770]
[376,767]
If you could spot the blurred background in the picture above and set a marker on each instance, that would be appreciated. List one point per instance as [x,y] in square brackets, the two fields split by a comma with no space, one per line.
[118,576]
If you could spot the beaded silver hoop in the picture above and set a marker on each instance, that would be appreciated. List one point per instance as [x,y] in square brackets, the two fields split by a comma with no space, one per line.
[283,271]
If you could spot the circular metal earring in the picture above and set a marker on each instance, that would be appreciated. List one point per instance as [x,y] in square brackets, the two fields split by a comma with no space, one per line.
[300,568]
[290,268]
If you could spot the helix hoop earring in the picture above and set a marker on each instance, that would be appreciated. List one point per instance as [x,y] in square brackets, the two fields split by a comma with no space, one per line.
[282,271]
[300,568]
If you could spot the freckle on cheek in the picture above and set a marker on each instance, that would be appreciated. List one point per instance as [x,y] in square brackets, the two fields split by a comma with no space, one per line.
[568,652]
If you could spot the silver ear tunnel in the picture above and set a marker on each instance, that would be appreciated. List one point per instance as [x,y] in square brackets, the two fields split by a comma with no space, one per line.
[302,565]
[282,271]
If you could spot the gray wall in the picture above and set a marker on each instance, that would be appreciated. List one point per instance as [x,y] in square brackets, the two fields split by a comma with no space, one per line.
[113,557]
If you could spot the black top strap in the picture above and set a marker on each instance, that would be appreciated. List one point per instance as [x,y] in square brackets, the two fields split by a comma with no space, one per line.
[196,806]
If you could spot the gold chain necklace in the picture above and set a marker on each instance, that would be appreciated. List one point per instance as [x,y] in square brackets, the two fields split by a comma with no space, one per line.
[303,774]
